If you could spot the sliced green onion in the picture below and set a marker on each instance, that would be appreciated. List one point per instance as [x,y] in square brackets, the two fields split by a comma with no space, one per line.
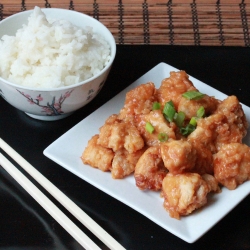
[149,127]
[187,130]
[179,118]
[193,95]
[200,112]
[171,103]
[162,137]
[156,106]
[193,121]
[169,111]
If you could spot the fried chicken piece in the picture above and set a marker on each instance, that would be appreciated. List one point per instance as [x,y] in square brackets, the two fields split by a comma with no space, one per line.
[173,87]
[118,134]
[97,156]
[112,133]
[212,183]
[150,170]
[203,139]
[124,163]
[232,165]
[138,101]
[204,158]
[178,156]
[183,193]
[205,134]
[160,124]
[133,141]
[190,107]
[228,124]
[235,127]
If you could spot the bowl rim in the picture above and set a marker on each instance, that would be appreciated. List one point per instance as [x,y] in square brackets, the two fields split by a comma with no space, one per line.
[112,44]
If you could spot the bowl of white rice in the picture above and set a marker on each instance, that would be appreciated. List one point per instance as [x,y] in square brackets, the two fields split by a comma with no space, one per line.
[53,61]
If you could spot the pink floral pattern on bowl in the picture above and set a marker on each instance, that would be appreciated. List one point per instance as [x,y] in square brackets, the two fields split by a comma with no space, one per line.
[51,109]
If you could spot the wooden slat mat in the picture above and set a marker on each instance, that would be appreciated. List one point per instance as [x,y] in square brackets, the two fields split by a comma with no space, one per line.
[173,22]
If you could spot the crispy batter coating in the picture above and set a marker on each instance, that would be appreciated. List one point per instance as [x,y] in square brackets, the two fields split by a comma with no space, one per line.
[235,127]
[205,133]
[183,193]
[124,163]
[160,124]
[112,135]
[150,170]
[173,87]
[97,156]
[232,165]
[212,183]
[178,156]
[118,134]
[204,158]
[138,101]
[190,107]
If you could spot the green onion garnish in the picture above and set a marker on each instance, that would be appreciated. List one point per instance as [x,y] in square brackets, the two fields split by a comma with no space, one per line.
[169,111]
[156,106]
[162,137]
[200,112]
[193,121]
[149,127]
[179,118]
[193,95]
[187,130]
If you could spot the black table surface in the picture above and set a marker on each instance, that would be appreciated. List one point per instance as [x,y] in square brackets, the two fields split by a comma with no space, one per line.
[24,224]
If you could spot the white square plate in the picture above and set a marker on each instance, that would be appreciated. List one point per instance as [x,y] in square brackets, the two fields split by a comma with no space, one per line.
[67,149]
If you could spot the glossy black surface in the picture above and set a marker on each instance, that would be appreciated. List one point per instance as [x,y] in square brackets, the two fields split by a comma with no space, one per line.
[26,225]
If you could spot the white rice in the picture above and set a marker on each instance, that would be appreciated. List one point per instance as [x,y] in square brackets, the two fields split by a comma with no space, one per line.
[51,53]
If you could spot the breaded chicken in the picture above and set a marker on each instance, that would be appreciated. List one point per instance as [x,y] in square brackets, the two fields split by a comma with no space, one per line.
[138,101]
[97,156]
[117,134]
[178,156]
[150,170]
[205,133]
[232,165]
[204,158]
[124,163]
[235,127]
[190,107]
[160,125]
[212,183]
[184,193]
[173,87]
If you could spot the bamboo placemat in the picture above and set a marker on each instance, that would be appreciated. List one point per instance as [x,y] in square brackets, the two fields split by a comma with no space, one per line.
[173,22]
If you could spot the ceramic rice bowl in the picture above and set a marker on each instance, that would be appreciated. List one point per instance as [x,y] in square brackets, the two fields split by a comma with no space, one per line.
[56,103]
